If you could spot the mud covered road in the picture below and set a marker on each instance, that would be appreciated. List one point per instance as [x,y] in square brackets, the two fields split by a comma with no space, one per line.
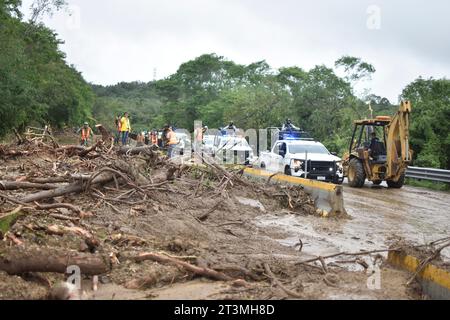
[416,214]
[379,216]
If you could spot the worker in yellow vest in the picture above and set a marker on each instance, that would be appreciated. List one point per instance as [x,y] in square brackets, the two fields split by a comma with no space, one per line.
[172,142]
[86,133]
[125,128]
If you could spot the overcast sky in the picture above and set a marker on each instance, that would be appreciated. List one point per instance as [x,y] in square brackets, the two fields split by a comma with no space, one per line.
[125,40]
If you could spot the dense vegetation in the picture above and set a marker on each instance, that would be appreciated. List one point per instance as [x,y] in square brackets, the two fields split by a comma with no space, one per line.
[36,85]
[217,90]
[430,128]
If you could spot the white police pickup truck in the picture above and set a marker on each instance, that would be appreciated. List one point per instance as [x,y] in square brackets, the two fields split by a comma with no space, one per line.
[304,159]
[232,150]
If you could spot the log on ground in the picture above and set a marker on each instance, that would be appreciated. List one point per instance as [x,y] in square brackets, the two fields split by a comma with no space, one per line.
[13,185]
[72,188]
[206,272]
[16,261]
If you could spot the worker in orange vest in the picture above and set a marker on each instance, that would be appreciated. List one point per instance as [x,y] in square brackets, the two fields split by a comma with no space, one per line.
[118,125]
[86,133]
[154,138]
[198,134]
[172,142]
[140,139]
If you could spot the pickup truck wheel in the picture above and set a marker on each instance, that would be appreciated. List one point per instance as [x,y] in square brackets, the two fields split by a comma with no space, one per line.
[397,184]
[263,165]
[288,171]
[356,174]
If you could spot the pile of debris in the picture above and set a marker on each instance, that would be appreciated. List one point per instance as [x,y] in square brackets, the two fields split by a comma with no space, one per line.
[108,210]
[131,218]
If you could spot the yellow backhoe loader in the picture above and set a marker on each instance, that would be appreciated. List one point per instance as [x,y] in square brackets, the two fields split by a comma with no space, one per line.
[379,150]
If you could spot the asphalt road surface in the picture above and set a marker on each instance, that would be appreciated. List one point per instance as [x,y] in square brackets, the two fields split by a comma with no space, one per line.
[379,216]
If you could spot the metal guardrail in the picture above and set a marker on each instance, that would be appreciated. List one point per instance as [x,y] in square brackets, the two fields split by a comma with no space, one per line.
[430,174]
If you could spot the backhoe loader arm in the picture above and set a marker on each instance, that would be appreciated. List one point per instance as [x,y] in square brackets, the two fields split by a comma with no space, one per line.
[399,154]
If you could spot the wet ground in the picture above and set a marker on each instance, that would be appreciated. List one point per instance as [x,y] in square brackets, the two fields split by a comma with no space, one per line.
[379,217]
[229,227]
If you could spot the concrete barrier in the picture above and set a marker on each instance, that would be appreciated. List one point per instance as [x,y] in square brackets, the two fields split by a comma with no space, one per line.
[435,281]
[328,197]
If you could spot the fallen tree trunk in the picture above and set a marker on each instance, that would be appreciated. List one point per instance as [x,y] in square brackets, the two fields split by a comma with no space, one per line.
[206,272]
[136,150]
[72,188]
[91,241]
[12,185]
[49,180]
[12,153]
[70,149]
[61,179]
[15,261]
[86,151]
[132,171]
[79,151]
[106,136]
[62,230]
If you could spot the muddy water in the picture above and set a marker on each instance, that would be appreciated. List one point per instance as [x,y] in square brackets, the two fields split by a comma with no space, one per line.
[379,215]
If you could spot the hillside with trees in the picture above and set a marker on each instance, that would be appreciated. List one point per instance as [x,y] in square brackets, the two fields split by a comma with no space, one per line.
[217,90]
[36,84]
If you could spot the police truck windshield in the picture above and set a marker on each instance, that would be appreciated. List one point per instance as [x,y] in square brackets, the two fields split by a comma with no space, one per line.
[298,148]
[235,142]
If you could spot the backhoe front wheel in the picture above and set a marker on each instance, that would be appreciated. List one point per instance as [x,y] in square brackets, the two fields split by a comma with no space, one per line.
[356,174]
[397,184]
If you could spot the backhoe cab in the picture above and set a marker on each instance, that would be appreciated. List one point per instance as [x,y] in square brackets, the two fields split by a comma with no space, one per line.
[379,150]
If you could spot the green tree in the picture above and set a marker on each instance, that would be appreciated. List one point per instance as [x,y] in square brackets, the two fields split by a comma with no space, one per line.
[430,130]
[36,84]
[355,68]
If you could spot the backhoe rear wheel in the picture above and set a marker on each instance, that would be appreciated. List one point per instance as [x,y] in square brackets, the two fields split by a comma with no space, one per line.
[397,185]
[356,174]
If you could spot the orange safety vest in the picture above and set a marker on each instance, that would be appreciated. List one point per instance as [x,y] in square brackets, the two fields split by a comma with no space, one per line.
[199,135]
[172,137]
[154,139]
[85,133]
[140,138]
